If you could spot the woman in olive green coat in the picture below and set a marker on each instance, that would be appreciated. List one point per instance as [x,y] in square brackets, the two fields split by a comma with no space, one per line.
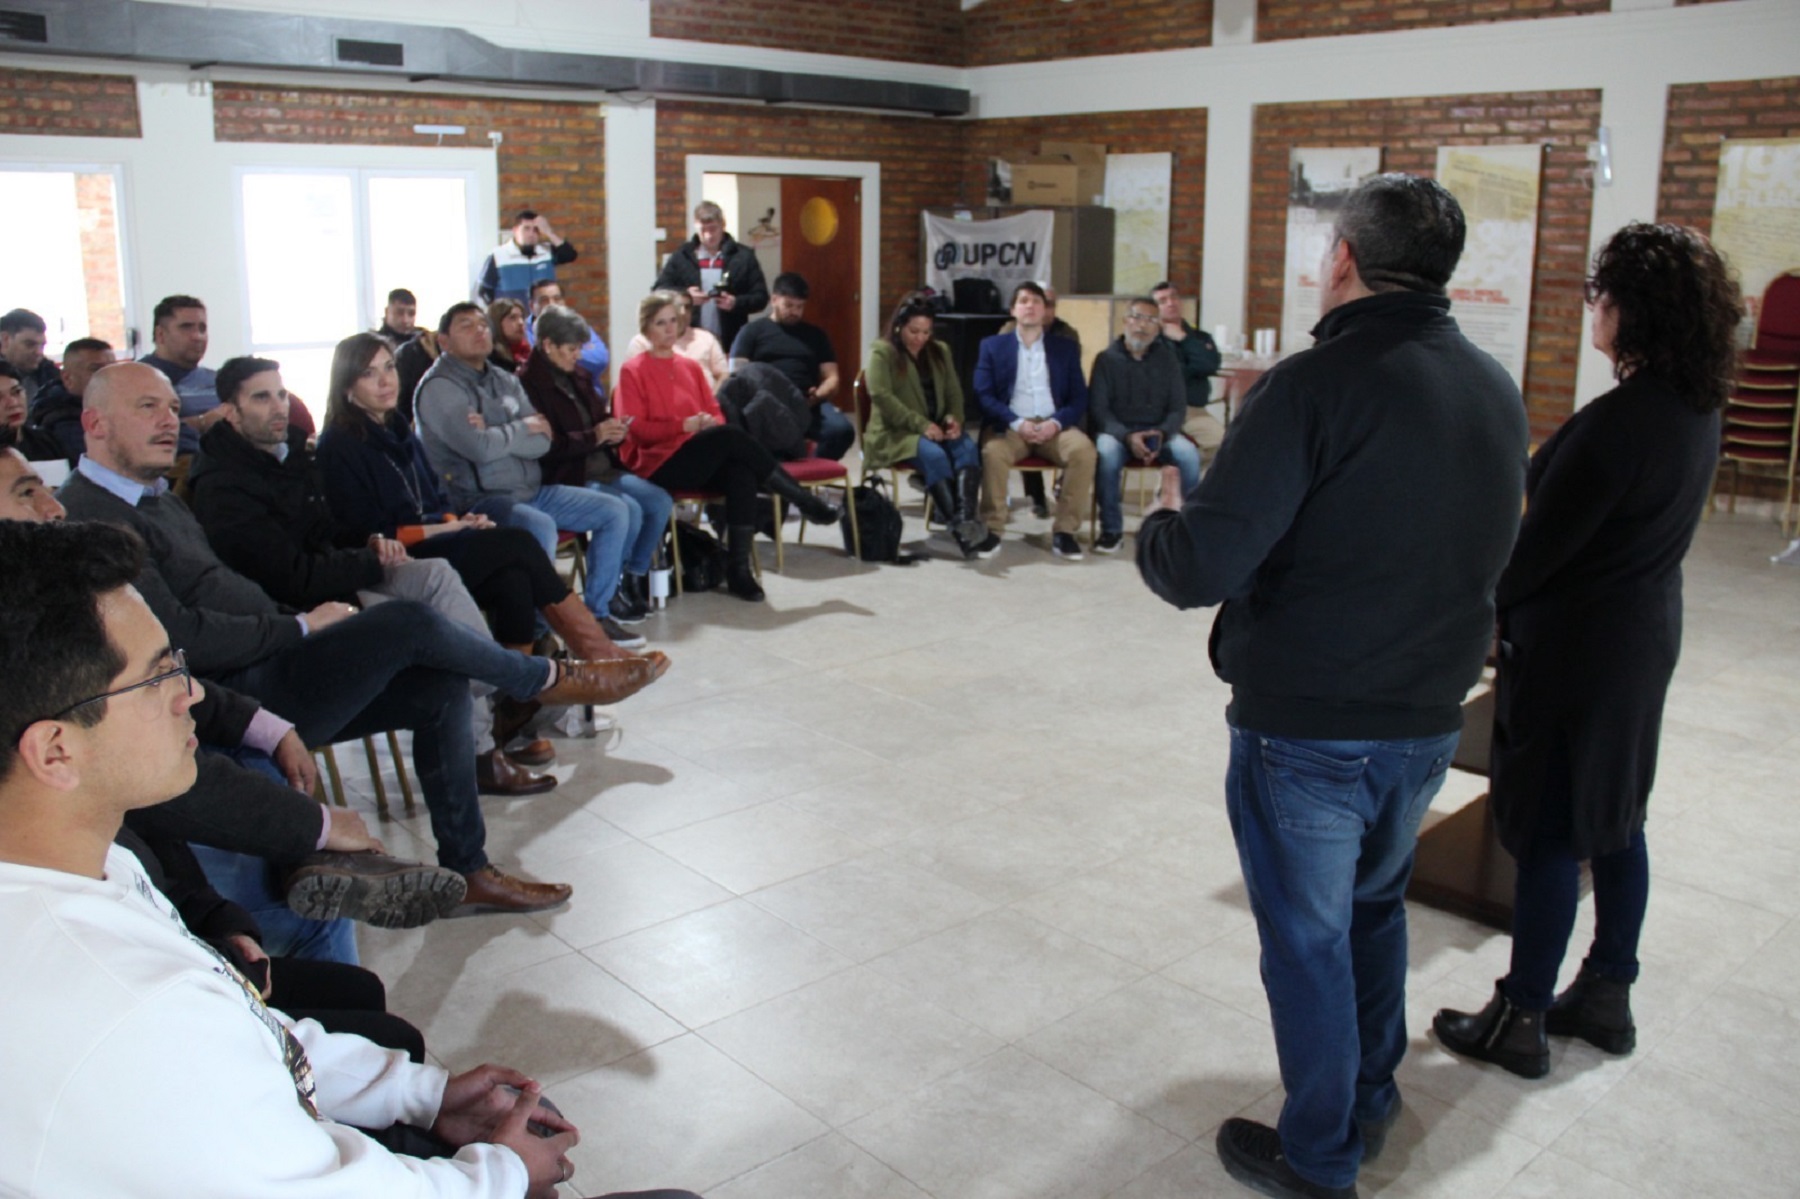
[916,414]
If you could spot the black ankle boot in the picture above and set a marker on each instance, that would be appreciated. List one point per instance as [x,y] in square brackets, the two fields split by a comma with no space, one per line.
[944,507]
[1511,1037]
[1596,1009]
[969,531]
[808,502]
[740,571]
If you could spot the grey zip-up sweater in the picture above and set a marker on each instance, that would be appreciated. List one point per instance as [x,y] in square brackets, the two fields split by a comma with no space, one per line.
[471,463]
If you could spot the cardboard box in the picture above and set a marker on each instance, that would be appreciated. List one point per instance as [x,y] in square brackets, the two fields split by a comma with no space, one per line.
[1089,161]
[1043,180]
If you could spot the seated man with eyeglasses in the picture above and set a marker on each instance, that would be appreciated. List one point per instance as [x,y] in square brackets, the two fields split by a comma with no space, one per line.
[1138,404]
[141,1058]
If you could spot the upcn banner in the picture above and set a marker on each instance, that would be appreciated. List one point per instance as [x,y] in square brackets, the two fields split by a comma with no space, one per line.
[1490,293]
[1010,250]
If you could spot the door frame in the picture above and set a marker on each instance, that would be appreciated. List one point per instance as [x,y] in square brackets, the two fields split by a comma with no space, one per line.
[867,173]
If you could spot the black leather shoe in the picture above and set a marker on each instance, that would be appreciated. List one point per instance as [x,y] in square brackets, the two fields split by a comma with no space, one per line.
[1596,1009]
[373,888]
[1251,1153]
[1510,1037]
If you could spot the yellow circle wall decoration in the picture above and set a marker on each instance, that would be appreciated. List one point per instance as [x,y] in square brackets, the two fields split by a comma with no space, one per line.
[818,221]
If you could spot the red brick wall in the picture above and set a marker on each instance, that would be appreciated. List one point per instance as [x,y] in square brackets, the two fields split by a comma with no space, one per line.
[895,30]
[553,157]
[1002,31]
[1278,20]
[1181,131]
[68,104]
[939,31]
[1700,116]
[100,259]
[921,162]
[1409,131]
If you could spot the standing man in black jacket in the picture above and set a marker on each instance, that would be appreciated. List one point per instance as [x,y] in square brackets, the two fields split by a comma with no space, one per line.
[1353,527]
[720,277]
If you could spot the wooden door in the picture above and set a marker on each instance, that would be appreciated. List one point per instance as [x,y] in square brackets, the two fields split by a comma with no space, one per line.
[821,239]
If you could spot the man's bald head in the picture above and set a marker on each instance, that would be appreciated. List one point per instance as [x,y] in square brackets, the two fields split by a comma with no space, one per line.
[132,419]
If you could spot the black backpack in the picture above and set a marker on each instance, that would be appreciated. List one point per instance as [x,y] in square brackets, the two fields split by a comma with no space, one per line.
[879,524]
[702,558]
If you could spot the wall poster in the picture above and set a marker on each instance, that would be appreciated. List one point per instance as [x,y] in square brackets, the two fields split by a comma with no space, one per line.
[1318,180]
[1490,293]
[1137,190]
[1756,214]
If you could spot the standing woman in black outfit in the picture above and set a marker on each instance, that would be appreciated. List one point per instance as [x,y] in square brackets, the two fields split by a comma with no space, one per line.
[1590,628]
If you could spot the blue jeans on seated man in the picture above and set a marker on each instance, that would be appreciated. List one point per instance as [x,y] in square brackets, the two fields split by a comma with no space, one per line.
[831,431]
[1109,470]
[1325,833]
[937,461]
[648,507]
[250,883]
[606,519]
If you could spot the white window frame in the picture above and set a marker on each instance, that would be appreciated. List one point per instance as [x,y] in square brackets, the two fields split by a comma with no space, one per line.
[121,220]
[479,212]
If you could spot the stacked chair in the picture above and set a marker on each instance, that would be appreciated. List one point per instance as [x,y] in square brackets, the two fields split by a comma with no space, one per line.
[1762,434]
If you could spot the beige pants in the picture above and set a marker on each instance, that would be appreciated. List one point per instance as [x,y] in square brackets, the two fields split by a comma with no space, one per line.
[1070,450]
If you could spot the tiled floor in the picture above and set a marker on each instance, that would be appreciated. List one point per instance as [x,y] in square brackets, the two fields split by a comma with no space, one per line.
[915,881]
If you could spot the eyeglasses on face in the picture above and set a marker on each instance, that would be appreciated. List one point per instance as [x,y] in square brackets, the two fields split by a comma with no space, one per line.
[153,683]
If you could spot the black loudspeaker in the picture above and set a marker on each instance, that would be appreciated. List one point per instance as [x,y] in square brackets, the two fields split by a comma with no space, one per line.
[977,297]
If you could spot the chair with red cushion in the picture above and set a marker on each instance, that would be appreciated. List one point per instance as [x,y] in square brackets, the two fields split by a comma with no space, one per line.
[813,473]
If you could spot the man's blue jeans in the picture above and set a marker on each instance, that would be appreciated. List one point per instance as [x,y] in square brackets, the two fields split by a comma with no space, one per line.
[648,507]
[606,519]
[830,431]
[1325,833]
[399,665]
[1109,469]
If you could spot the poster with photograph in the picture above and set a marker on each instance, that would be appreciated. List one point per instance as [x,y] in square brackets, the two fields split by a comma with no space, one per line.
[1490,293]
[1137,190]
[1318,180]
[1756,214]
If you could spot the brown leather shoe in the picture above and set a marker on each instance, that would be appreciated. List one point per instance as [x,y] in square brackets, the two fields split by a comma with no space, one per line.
[579,682]
[492,890]
[533,753]
[496,775]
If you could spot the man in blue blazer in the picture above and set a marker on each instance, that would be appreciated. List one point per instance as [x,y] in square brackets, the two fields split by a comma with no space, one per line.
[1033,399]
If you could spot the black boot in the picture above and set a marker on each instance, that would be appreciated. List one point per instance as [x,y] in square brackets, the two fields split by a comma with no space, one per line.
[808,502]
[943,503]
[740,571]
[1508,1036]
[1596,1009]
[970,532]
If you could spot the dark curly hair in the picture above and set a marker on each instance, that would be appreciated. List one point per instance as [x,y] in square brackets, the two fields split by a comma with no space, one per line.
[914,303]
[1678,310]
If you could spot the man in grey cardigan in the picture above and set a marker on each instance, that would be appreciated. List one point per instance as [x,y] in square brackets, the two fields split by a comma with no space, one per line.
[484,439]
[1137,403]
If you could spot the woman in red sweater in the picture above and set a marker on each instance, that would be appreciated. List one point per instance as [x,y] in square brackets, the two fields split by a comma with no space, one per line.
[677,438]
